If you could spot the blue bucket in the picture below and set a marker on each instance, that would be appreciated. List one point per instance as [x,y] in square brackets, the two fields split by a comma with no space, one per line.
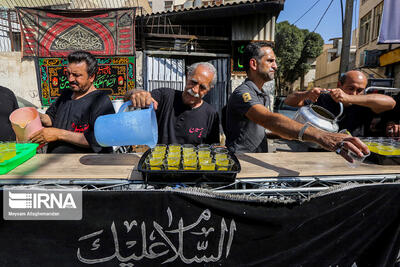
[138,127]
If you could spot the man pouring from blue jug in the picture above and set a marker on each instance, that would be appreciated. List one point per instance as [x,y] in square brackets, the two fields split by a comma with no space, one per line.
[184,117]
[69,121]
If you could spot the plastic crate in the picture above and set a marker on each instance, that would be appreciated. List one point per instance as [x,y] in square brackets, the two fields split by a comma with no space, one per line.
[181,176]
[23,153]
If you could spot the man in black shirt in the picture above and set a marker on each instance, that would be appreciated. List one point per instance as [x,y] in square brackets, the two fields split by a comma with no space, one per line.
[359,109]
[247,114]
[8,103]
[70,120]
[183,117]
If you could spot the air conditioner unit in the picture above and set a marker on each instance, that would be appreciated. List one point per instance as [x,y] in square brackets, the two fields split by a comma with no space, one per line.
[370,58]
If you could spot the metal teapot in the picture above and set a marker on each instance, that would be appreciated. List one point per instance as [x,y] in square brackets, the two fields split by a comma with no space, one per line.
[319,117]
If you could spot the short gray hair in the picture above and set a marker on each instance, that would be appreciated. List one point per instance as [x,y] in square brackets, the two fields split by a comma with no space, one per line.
[193,67]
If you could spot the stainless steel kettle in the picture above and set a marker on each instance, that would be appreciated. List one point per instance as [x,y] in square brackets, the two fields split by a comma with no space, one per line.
[319,117]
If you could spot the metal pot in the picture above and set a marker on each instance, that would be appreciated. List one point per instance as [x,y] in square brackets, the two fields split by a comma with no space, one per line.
[319,117]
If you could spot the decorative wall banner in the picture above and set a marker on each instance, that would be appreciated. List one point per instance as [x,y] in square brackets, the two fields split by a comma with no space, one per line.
[56,33]
[178,228]
[237,56]
[116,75]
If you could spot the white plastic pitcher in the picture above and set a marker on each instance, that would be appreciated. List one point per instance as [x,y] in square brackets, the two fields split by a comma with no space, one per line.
[137,127]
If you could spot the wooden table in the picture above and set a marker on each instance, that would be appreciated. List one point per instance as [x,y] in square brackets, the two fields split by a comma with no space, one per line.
[123,166]
[77,166]
[300,164]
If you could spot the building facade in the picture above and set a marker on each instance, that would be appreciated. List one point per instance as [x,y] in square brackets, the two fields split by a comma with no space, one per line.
[368,50]
[328,63]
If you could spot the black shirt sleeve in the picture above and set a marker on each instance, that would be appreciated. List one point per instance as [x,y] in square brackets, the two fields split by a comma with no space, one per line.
[15,103]
[156,94]
[52,110]
[100,106]
[8,103]
[242,99]
[213,136]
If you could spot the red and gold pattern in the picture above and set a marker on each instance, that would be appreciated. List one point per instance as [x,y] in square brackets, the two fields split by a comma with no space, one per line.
[56,33]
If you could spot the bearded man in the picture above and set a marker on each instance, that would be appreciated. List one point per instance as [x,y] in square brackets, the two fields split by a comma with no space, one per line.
[69,121]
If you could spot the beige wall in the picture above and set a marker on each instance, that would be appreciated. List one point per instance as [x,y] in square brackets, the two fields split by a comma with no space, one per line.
[19,75]
[368,6]
[326,71]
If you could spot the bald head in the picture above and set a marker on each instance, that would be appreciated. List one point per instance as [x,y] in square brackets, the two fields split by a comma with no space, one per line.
[353,82]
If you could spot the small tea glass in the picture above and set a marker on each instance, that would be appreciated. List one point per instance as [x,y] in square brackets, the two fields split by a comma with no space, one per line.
[157,154]
[189,154]
[203,152]
[171,164]
[224,165]
[221,150]
[174,148]
[174,154]
[7,150]
[2,151]
[160,147]
[357,160]
[396,149]
[205,160]
[219,156]
[187,148]
[385,148]
[154,164]
[203,146]
[173,161]
[189,163]
[373,146]
[207,166]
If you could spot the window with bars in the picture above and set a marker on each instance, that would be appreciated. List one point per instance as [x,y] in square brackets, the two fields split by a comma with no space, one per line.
[10,38]
[168,5]
[365,29]
[378,10]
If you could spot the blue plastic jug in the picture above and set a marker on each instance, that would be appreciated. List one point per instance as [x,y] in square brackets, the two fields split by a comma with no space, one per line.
[138,127]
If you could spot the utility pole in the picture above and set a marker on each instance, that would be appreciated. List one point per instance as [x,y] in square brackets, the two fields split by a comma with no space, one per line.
[346,38]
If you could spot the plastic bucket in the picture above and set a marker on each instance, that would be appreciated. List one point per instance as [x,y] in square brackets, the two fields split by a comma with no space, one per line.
[25,122]
[138,127]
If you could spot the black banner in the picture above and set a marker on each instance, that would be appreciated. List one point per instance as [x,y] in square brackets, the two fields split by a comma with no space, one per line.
[115,75]
[176,228]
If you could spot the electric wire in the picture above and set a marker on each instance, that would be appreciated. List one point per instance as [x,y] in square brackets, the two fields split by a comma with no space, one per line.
[306,12]
[323,15]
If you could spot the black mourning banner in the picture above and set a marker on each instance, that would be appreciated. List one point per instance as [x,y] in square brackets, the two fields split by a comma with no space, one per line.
[177,228]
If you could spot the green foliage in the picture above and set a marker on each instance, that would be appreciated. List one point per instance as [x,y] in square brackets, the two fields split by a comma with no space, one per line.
[288,46]
[294,47]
